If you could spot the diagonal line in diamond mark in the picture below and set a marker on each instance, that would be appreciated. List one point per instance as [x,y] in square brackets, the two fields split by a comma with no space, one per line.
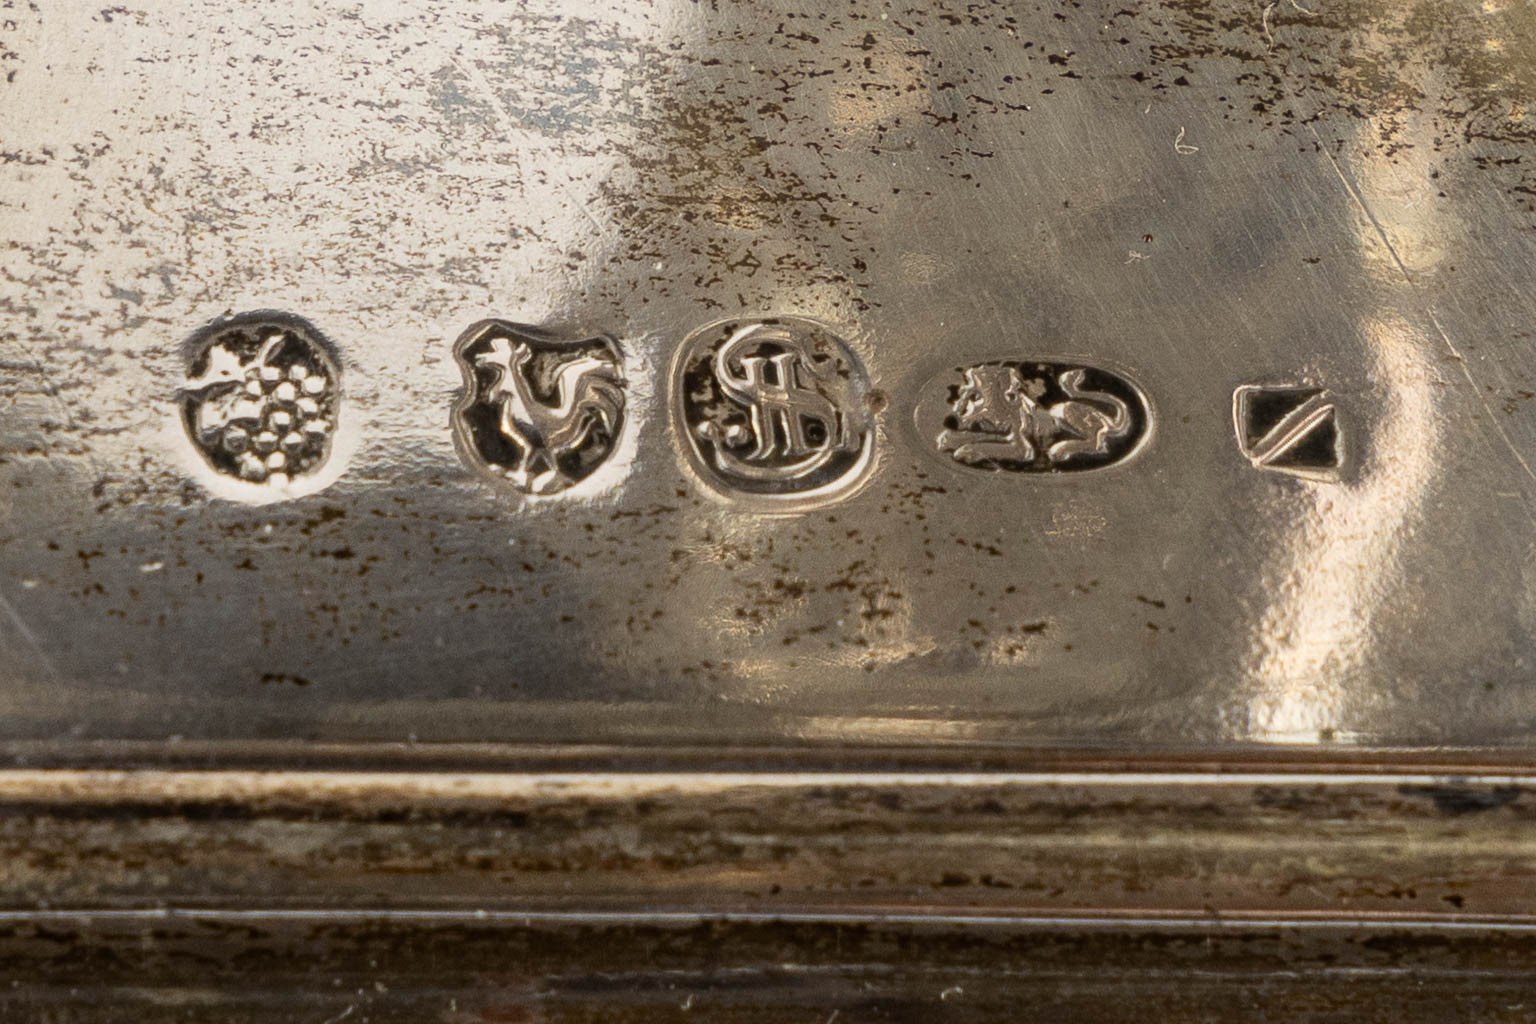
[1291,430]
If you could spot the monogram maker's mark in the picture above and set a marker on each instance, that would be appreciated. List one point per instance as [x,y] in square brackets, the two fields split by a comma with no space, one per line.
[773,407]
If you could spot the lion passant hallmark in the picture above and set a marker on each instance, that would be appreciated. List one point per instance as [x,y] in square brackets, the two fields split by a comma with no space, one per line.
[1033,416]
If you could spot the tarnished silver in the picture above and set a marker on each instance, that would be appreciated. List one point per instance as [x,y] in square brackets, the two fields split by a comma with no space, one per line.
[1191,198]
[947,487]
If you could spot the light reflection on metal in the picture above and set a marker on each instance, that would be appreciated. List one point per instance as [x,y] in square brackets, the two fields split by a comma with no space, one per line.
[937,195]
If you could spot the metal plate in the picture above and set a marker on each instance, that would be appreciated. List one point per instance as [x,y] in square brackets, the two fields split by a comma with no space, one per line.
[1203,198]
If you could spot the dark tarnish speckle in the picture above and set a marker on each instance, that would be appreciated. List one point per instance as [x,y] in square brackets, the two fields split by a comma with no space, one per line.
[1459,800]
[645,171]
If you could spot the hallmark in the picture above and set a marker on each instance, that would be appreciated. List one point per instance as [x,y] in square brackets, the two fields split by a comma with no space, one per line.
[1031,416]
[261,399]
[541,412]
[1292,429]
[775,407]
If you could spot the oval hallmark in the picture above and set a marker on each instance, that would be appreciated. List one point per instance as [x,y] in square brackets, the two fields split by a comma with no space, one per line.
[1033,416]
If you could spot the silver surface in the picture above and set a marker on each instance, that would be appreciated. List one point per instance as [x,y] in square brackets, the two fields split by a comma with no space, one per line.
[1201,196]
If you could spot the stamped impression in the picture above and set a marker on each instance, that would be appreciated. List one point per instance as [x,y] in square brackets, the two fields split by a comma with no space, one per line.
[1033,416]
[773,408]
[540,412]
[261,399]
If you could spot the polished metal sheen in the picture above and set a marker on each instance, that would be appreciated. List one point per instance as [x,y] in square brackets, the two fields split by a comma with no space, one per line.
[1117,376]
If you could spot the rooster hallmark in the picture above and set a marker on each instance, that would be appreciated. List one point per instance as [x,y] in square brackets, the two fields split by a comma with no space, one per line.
[540,412]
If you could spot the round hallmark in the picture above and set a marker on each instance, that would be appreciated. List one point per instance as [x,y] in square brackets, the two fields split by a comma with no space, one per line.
[1033,416]
[775,408]
[540,412]
[261,399]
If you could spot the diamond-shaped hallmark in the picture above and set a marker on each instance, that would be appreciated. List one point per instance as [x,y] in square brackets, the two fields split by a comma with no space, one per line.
[538,411]
[1289,429]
